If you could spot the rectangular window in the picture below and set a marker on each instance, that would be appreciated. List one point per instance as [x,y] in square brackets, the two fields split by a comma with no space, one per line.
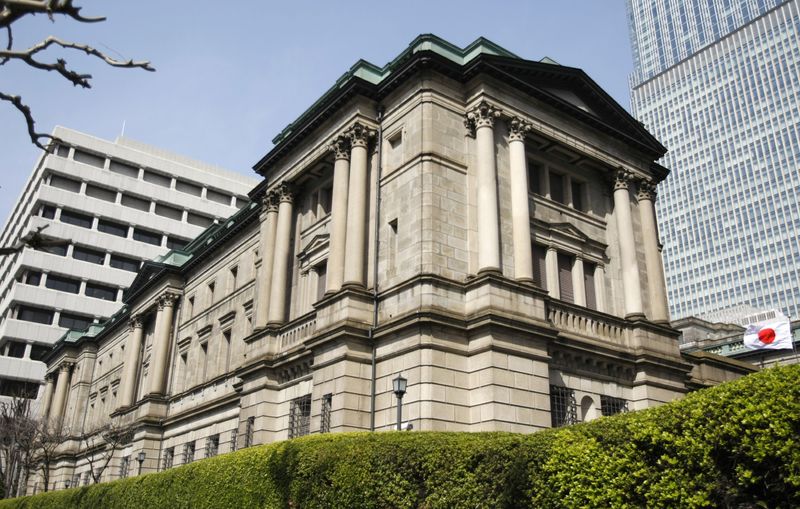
[610,405]
[540,266]
[322,276]
[325,419]
[76,219]
[18,388]
[212,446]
[199,220]
[123,467]
[135,202]
[147,237]
[299,416]
[101,193]
[325,196]
[58,250]
[39,351]
[168,212]
[124,263]
[73,321]
[234,436]
[33,278]
[88,255]
[62,151]
[577,196]
[35,315]
[563,408]
[62,284]
[124,169]
[534,177]
[565,277]
[157,178]
[65,183]
[557,188]
[588,283]
[88,158]
[186,187]
[176,243]
[101,292]
[16,349]
[112,228]
[249,431]
[48,212]
[218,197]
[169,458]
[188,452]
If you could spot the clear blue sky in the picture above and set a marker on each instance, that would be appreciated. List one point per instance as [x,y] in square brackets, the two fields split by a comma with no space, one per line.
[228,80]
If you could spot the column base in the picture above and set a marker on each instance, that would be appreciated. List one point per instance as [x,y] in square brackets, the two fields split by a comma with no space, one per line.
[353,285]
[635,316]
[490,270]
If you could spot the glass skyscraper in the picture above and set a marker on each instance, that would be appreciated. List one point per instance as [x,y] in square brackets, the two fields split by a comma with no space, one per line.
[718,82]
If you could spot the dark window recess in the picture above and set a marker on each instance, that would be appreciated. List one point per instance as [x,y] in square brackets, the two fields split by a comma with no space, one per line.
[39,351]
[124,263]
[212,446]
[65,183]
[322,276]
[16,349]
[175,243]
[135,202]
[534,177]
[565,278]
[88,255]
[188,188]
[36,315]
[90,159]
[147,237]
[33,278]
[218,197]
[249,431]
[557,187]
[112,228]
[75,322]
[199,220]
[156,178]
[563,408]
[18,388]
[48,212]
[124,169]
[169,457]
[62,151]
[577,196]
[62,284]
[325,197]
[540,266]
[299,416]
[77,219]
[167,211]
[101,193]
[325,418]
[588,283]
[611,406]
[101,292]
[59,250]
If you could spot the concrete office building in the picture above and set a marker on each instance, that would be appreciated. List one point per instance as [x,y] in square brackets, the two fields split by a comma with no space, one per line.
[117,203]
[717,82]
[482,224]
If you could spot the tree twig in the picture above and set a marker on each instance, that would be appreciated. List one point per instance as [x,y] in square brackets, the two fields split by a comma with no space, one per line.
[26,112]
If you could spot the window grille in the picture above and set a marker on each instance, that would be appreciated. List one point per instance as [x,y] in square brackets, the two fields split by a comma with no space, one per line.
[299,416]
[212,446]
[248,436]
[188,452]
[563,407]
[610,405]
[234,436]
[124,467]
[565,263]
[540,266]
[169,458]
[86,478]
[76,480]
[325,421]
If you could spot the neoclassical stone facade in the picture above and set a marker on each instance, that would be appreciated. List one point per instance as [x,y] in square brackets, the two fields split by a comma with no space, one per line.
[481,224]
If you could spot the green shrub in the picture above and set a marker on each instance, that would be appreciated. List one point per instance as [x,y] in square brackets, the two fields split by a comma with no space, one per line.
[735,445]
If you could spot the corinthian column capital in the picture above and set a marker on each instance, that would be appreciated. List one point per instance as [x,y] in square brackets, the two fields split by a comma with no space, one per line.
[340,146]
[622,179]
[518,128]
[646,191]
[135,322]
[482,115]
[167,300]
[269,203]
[360,135]
[285,192]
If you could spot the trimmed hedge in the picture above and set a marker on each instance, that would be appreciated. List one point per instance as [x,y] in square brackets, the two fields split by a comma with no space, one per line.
[735,445]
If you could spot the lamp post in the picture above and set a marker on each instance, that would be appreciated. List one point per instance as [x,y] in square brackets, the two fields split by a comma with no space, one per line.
[67,483]
[399,384]
[140,459]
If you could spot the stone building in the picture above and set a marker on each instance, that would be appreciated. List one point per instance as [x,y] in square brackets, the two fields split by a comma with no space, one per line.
[479,223]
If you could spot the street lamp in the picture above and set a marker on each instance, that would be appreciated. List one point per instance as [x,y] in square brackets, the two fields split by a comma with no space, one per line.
[140,459]
[66,483]
[399,384]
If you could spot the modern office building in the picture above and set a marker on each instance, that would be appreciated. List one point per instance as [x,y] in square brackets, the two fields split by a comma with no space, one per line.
[116,204]
[718,82]
[481,224]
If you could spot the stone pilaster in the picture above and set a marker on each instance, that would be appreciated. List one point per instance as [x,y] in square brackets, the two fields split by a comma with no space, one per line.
[551,267]
[338,229]
[269,222]
[355,262]
[652,254]
[482,119]
[280,266]
[47,397]
[600,288]
[133,348]
[61,393]
[520,210]
[578,282]
[160,356]
[627,247]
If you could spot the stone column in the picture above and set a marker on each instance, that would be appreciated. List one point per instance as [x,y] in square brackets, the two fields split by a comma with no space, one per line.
[520,210]
[280,266]
[269,220]
[161,344]
[46,397]
[132,349]
[482,120]
[355,262]
[341,175]
[61,394]
[627,247]
[652,254]
[600,288]
[578,283]
[551,266]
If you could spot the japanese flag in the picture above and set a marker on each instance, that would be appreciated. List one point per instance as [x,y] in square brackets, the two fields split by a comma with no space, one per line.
[775,334]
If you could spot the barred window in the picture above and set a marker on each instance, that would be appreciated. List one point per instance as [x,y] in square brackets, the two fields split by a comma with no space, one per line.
[188,452]
[212,446]
[610,405]
[299,416]
[124,466]
[563,408]
[248,431]
[325,424]
[234,436]
[169,458]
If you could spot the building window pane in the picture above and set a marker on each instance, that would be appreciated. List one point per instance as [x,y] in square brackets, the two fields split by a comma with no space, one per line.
[36,315]
[325,419]
[588,283]
[540,266]
[169,212]
[62,284]
[101,193]
[563,407]
[124,169]
[186,187]
[299,416]
[565,277]
[39,351]
[33,278]
[74,218]
[218,197]
[16,349]
[176,243]
[577,196]
[101,292]
[65,183]
[88,255]
[169,457]
[112,228]
[75,322]
[124,263]
[249,431]
[322,275]
[212,446]
[147,237]
[557,188]
[611,406]
[199,220]
[87,158]
[48,212]
[534,177]
[135,202]
[157,179]
[18,388]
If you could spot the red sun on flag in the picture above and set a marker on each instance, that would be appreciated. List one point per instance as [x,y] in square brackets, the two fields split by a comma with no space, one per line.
[766,335]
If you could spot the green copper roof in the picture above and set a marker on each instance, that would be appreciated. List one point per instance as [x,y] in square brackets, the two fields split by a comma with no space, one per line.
[371,73]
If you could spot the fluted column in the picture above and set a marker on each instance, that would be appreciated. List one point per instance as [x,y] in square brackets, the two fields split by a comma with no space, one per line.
[341,176]
[627,247]
[551,266]
[159,358]
[355,262]
[61,393]
[47,396]
[132,349]
[269,221]
[482,120]
[280,266]
[652,255]
[520,210]
[578,282]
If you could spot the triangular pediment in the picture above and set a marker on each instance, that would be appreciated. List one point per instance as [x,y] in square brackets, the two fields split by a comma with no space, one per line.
[568,230]
[317,243]
[146,273]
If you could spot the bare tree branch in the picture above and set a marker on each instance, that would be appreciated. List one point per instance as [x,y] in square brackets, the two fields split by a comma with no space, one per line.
[12,10]
[26,112]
